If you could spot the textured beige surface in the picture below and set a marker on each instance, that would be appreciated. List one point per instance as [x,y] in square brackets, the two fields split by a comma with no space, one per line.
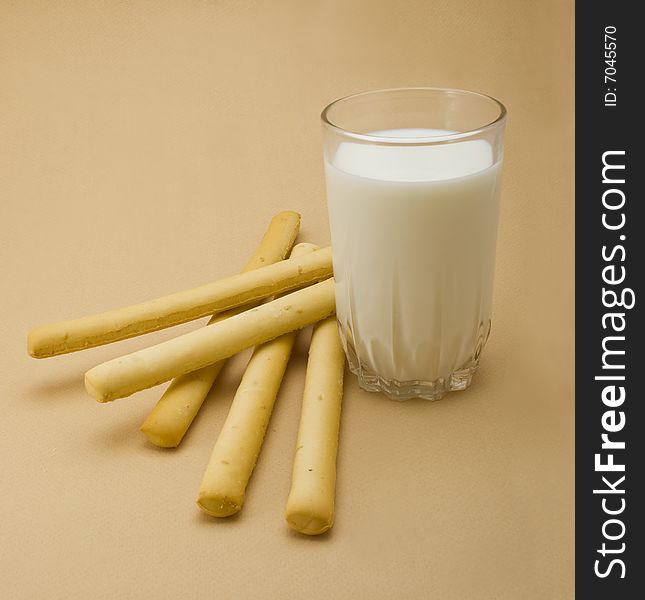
[144,146]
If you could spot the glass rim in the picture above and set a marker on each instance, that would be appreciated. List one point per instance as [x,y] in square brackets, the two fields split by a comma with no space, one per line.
[366,137]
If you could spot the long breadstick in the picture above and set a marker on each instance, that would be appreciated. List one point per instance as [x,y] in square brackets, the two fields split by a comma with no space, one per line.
[122,323]
[169,420]
[277,241]
[238,445]
[310,506]
[148,367]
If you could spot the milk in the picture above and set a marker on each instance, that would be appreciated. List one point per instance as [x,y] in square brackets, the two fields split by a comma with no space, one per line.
[413,237]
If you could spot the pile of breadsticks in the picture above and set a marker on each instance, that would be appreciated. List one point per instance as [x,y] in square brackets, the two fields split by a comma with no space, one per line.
[264,306]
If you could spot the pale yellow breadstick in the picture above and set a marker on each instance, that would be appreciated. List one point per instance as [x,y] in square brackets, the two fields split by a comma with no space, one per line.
[277,241]
[169,420]
[238,445]
[130,321]
[148,367]
[310,507]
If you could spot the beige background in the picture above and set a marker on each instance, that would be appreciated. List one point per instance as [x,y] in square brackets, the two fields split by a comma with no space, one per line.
[144,148]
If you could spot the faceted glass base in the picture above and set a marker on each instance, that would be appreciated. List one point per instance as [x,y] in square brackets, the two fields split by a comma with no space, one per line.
[405,390]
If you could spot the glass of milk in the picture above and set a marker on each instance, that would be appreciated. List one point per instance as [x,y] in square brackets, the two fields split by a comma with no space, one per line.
[413,181]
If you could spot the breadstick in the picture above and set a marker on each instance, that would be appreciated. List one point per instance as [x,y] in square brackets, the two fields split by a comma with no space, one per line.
[122,323]
[169,420]
[277,241]
[238,445]
[310,507]
[151,366]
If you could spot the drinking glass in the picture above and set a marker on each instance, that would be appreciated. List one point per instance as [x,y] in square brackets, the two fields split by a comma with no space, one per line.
[413,181]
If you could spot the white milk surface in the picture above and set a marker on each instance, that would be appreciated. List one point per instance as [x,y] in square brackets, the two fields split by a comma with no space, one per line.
[413,238]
